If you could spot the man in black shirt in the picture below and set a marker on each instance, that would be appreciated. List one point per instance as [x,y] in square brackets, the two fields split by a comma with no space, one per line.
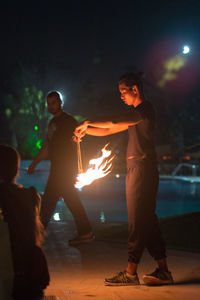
[141,181]
[62,155]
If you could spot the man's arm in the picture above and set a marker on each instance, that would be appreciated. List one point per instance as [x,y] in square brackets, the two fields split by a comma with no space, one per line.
[102,128]
[101,131]
[43,154]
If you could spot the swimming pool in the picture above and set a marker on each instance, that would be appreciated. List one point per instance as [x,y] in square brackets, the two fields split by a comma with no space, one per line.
[104,200]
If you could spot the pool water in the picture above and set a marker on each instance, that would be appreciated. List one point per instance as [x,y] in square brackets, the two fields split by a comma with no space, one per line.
[104,200]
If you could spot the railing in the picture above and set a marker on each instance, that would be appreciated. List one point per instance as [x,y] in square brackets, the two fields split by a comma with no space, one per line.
[184,177]
[190,166]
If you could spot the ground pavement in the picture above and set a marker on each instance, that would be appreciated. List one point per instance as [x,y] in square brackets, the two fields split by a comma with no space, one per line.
[78,273]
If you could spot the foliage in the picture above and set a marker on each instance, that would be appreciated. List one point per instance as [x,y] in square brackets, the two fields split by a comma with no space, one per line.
[79,118]
[28,118]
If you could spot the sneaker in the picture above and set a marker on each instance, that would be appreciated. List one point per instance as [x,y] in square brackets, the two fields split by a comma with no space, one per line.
[158,277]
[81,240]
[122,278]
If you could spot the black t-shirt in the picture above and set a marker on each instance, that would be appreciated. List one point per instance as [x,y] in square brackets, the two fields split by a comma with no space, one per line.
[61,148]
[141,142]
[20,208]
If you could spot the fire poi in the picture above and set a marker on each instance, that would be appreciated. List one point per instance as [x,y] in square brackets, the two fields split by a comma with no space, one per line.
[99,167]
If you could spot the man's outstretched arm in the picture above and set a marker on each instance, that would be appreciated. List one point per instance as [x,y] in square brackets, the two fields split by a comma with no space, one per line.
[42,155]
[102,128]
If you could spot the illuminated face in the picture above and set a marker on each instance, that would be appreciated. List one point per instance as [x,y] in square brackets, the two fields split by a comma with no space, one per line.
[128,95]
[53,105]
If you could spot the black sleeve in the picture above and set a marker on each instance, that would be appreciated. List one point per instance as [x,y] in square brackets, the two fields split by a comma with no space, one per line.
[142,112]
[132,116]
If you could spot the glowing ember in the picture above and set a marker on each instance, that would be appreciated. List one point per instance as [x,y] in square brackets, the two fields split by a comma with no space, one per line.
[100,168]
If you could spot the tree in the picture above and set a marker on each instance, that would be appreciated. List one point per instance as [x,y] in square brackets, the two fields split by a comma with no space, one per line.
[27,118]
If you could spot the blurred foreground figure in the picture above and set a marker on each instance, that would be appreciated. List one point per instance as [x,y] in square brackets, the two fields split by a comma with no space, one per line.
[60,150]
[20,207]
[141,181]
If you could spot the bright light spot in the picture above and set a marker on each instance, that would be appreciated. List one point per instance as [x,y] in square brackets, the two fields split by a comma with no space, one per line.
[36,127]
[61,97]
[117,175]
[38,144]
[56,217]
[102,217]
[186,49]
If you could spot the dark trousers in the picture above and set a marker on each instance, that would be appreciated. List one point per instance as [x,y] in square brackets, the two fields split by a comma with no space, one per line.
[63,186]
[141,189]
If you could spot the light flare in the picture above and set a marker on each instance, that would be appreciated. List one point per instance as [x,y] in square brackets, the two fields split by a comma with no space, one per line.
[171,68]
[186,49]
[100,167]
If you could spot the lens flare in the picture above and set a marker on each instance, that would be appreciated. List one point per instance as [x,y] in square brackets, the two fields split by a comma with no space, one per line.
[186,49]
[171,67]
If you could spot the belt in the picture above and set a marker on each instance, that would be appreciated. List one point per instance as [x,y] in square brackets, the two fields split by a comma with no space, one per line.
[138,157]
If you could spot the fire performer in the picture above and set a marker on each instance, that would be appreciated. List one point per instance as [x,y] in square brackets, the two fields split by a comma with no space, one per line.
[60,150]
[141,181]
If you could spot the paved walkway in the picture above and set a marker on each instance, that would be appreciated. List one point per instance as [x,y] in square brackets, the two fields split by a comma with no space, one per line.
[78,273]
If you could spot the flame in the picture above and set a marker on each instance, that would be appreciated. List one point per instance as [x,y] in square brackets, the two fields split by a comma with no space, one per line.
[101,167]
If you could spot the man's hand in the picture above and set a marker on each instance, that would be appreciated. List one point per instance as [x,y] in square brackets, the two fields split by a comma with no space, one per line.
[31,169]
[76,139]
[80,130]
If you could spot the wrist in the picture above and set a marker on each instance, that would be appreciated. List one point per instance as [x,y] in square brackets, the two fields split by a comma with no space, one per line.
[34,164]
[86,124]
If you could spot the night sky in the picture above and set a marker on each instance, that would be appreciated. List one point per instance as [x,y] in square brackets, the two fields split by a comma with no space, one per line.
[95,41]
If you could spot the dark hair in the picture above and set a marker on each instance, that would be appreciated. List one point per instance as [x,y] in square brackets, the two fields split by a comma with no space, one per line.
[130,79]
[54,94]
[9,163]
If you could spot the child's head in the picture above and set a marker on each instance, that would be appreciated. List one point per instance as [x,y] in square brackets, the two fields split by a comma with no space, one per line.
[9,163]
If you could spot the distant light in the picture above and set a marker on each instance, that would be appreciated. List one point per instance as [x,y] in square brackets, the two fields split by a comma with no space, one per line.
[56,217]
[186,49]
[117,175]
[38,144]
[36,127]
[102,217]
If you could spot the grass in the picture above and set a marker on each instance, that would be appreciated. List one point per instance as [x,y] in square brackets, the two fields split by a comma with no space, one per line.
[179,232]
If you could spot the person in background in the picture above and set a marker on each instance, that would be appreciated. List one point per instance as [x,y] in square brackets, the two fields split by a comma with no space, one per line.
[20,208]
[60,150]
[141,181]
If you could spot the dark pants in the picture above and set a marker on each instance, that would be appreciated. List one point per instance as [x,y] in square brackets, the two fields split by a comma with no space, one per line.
[141,189]
[63,186]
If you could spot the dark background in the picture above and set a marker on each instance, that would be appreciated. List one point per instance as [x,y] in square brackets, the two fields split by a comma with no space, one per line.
[81,48]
